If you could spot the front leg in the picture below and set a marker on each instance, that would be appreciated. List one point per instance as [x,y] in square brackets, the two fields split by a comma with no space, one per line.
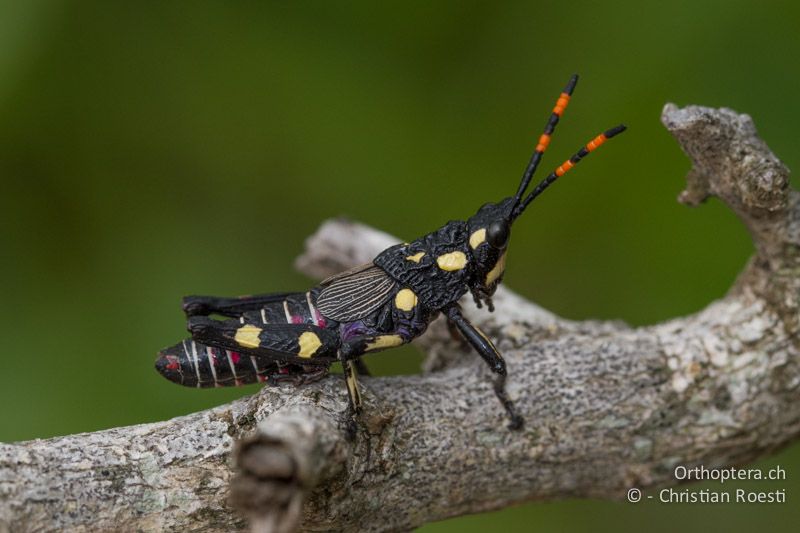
[489,353]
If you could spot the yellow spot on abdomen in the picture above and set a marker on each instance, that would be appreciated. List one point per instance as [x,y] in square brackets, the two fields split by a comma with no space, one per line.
[384,341]
[497,271]
[309,344]
[452,261]
[405,300]
[247,336]
[477,238]
[417,257]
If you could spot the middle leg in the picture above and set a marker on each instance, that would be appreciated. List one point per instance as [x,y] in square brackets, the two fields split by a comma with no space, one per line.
[350,356]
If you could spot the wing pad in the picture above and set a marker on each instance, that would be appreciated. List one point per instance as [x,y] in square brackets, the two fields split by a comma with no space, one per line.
[355,294]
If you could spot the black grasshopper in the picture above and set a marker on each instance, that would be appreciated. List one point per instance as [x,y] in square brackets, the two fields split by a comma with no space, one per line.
[295,337]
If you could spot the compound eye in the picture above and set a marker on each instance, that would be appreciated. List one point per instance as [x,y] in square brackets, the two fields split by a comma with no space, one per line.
[497,234]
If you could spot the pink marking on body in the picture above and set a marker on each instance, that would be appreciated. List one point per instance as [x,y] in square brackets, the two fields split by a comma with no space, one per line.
[235,357]
[173,363]
[213,354]
[297,319]
[261,379]
[283,370]
[318,319]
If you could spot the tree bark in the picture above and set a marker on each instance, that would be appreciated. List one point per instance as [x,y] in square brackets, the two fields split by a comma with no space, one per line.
[606,406]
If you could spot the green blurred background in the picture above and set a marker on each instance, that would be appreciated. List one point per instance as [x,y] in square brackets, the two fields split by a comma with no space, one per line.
[153,150]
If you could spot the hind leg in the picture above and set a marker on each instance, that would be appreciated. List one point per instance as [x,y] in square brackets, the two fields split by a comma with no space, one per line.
[230,307]
[296,343]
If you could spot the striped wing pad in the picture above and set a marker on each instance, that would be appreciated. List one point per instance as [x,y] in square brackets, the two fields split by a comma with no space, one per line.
[355,294]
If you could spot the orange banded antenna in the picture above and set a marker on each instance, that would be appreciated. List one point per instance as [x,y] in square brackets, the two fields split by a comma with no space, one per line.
[567,165]
[544,138]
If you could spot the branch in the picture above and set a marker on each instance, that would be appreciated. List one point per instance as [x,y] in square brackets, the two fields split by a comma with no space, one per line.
[607,407]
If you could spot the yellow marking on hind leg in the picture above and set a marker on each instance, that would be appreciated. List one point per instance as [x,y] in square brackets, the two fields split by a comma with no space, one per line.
[247,336]
[309,344]
[384,341]
[417,257]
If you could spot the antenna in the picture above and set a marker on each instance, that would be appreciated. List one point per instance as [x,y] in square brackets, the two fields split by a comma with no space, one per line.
[544,138]
[566,166]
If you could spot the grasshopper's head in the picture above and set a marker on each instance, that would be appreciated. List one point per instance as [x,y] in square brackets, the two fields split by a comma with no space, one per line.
[490,228]
[489,232]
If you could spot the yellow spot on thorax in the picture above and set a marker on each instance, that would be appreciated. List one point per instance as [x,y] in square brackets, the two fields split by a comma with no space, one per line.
[477,238]
[452,261]
[309,344]
[384,341]
[405,300]
[417,257]
[497,270]
[247,336]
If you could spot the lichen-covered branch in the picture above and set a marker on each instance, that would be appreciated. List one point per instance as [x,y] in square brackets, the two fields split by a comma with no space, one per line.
[606,406]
